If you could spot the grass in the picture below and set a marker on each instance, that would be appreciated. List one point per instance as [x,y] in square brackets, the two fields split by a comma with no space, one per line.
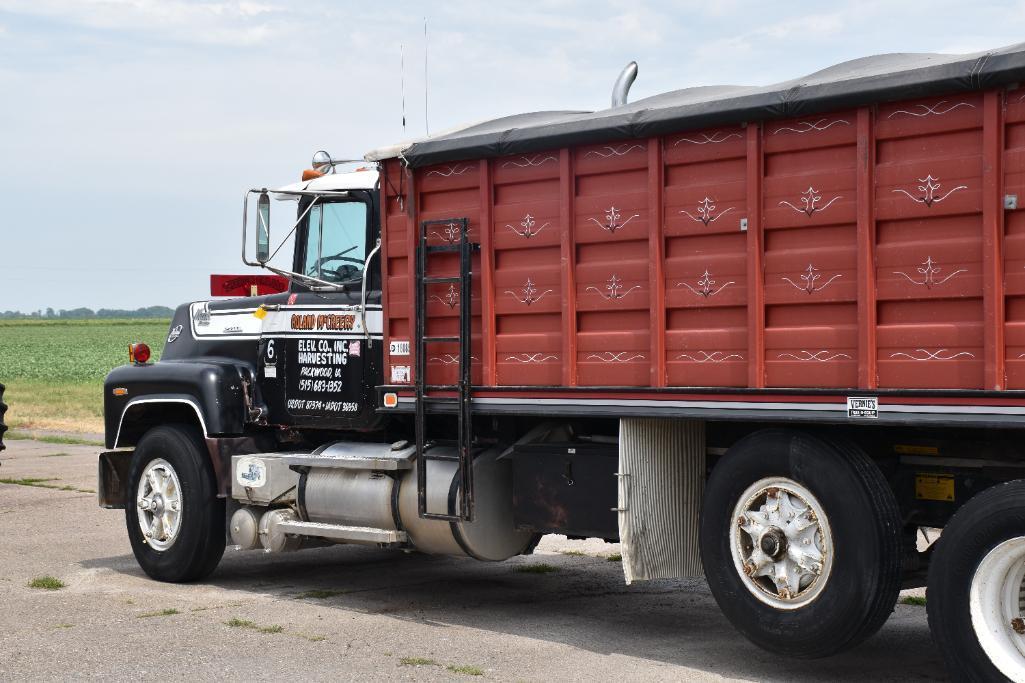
[574,553]
[417,661]
[54,369]
[466,669]
[49,583]
[615,557]
[64,626]
[15,435]
[917,600]
[235,622]
[43,484]
[160,613]
[319,594]
[539,568]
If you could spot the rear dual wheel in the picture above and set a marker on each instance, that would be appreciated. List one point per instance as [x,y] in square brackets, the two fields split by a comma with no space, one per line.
[801,542]
[976,592]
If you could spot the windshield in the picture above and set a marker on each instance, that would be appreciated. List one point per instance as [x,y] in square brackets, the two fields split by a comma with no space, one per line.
[336,241]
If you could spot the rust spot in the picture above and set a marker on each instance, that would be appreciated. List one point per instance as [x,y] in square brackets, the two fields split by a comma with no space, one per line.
[785,593]
[742,520]
[1018,624]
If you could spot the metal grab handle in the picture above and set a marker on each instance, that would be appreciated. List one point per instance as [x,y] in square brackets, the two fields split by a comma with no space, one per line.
[363,291]
[625,489]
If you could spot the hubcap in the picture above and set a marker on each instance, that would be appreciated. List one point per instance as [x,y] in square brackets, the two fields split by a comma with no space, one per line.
[997,606]
[781,543]
[159,501]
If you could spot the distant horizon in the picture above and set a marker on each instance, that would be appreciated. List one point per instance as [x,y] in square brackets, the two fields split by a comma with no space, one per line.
[86,313]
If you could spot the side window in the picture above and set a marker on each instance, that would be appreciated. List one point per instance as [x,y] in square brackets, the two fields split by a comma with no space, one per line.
[336,241]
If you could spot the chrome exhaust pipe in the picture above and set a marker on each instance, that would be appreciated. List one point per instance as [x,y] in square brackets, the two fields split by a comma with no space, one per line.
[622,87]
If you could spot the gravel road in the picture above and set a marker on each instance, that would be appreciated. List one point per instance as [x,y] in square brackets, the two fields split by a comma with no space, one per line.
[358,613]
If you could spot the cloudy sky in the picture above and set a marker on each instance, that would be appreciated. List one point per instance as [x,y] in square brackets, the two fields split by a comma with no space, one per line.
[130,128]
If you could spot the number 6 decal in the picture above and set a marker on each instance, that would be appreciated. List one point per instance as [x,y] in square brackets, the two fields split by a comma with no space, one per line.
[270,350]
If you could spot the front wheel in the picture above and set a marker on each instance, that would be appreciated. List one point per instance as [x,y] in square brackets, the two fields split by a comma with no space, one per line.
[175,520]
[976,591]
[800,542]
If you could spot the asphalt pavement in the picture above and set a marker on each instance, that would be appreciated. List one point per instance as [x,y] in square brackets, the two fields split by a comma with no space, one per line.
[356,613]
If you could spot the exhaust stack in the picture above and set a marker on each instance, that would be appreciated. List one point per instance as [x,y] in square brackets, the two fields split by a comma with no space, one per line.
[622,87]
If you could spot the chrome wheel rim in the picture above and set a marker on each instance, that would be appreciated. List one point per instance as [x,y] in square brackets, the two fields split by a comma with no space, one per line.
[159,501]
[781,543]
[997,606]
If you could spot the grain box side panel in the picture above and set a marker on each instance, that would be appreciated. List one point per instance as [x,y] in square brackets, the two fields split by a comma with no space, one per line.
[527,290]
[1014,238]
[929,243]
[705,258]
[611,268]
[809,195]
[451,191]
[395,271]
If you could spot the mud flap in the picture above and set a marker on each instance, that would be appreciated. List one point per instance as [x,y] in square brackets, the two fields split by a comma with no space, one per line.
[661,479]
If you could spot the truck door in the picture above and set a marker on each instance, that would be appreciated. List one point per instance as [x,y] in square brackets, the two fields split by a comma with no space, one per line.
[318,362]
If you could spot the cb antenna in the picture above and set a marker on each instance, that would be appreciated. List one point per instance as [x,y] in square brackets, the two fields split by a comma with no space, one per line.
[402,84]
[427,121]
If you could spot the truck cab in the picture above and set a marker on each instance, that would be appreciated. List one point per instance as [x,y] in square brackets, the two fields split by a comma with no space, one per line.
[305,357]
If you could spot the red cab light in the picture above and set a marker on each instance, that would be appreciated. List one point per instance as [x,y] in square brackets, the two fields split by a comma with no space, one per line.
[138,353]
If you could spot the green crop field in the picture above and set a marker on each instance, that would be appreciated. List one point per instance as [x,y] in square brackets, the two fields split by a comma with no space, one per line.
[54,369]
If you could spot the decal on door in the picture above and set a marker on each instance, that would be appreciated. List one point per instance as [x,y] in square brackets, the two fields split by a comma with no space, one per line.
[320,379]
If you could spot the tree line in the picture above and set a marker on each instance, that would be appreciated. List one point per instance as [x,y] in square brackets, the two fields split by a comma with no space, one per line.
[85,313]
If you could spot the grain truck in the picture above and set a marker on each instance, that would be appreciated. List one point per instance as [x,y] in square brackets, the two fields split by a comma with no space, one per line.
[772,335]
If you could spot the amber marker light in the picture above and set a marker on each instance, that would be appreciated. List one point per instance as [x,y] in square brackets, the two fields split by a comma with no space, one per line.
[138,353]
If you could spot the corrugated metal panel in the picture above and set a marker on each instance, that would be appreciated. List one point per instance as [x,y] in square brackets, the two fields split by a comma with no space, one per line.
[661,479]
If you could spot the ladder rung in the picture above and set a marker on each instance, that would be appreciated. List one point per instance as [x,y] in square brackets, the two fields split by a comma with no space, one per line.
[442,248]
[442,280]
[446,518]
[441,339]
[441,387]
[439,399]
[449,457]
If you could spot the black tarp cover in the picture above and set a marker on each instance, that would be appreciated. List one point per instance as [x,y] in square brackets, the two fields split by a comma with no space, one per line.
[882,78]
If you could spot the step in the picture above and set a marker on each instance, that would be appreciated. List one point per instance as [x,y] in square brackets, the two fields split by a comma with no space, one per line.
[340,532]
[442,280]
[356,456]
[441,339]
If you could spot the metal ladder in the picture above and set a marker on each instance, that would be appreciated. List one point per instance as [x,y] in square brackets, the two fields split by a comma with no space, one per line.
[464,440]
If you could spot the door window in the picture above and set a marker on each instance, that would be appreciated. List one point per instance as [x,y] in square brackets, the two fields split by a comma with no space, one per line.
[336,241]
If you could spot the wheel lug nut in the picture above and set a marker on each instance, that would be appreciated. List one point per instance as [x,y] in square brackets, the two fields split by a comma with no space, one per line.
[785,593]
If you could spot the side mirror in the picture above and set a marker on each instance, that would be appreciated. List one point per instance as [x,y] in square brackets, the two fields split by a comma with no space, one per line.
[263,228]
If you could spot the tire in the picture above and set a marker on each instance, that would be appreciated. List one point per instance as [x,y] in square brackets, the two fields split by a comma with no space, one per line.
[841,596]
[189,548]
[988,526]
